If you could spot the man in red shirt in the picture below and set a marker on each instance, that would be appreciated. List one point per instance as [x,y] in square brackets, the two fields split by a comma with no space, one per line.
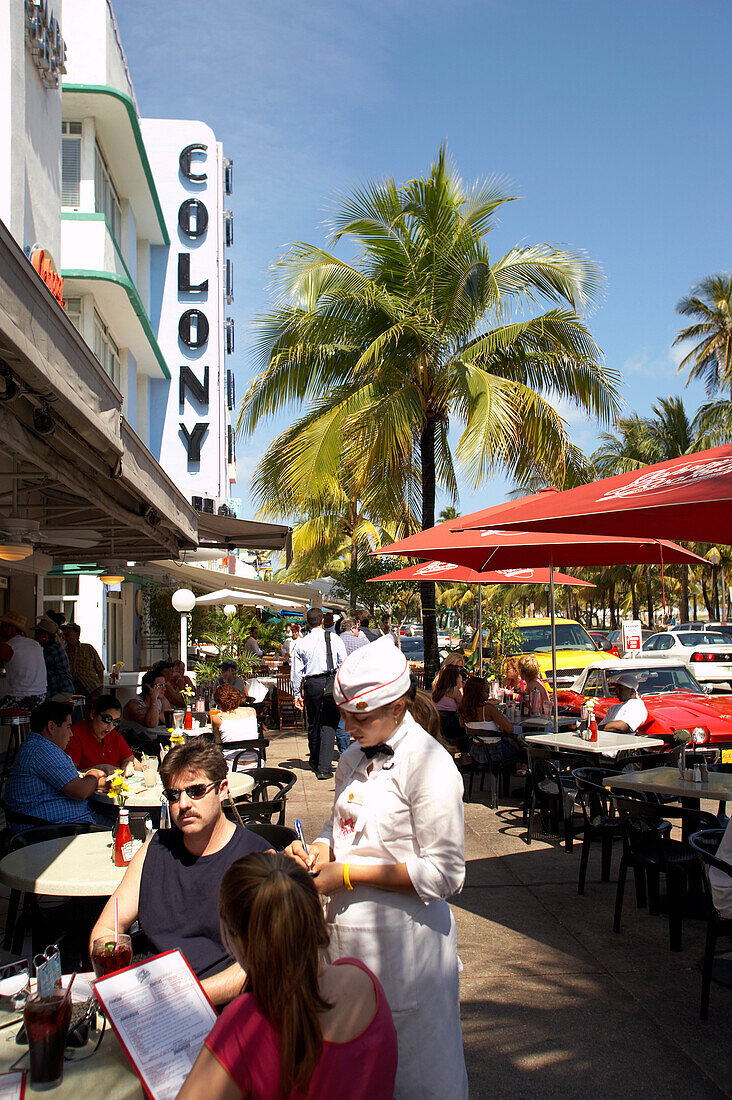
[96,743]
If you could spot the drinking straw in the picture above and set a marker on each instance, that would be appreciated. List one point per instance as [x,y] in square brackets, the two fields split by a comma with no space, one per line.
[116,920]
[68,989]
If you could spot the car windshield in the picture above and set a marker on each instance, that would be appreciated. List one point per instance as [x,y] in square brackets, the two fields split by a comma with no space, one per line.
[705,638]
[413,648]
[538,639]
[655,679]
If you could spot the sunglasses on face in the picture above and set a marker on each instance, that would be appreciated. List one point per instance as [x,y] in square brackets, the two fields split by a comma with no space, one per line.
[109,720]
[196,791]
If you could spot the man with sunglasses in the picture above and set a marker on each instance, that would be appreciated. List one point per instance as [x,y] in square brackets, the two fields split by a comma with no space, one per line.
[171,885]
[97,742]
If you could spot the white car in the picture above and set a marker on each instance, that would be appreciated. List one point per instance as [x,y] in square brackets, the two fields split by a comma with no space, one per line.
[706,654]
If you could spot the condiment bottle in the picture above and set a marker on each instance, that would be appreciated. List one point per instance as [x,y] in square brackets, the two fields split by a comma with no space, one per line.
[188,720]
[123,840]
[593,728]
[535,701]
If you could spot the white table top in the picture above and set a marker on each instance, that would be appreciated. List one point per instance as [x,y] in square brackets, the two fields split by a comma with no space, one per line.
[107,1074]
[668,781]
[606,742]
[148,798]
[74,866]
[124,679]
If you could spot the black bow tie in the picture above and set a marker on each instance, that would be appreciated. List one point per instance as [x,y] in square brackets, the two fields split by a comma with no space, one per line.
[374,750]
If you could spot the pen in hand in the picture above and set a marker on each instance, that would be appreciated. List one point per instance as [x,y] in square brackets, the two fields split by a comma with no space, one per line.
[301,838]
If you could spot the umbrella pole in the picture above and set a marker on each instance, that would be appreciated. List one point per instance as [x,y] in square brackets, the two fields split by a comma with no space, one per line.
[555,702]
[480,629]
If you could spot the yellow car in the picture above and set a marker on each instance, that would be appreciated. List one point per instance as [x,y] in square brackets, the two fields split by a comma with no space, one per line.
[574,647]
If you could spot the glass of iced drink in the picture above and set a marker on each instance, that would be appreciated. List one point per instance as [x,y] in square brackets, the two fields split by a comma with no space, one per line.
[109,955]
[47,1021]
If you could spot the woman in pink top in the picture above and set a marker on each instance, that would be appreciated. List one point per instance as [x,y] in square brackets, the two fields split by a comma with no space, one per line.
[301,1028]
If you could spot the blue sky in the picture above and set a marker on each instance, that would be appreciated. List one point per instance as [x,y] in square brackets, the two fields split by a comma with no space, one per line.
[610,119]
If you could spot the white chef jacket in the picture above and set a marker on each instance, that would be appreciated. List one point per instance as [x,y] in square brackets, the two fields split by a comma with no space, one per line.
[407,809]
[633,712]
[25,672]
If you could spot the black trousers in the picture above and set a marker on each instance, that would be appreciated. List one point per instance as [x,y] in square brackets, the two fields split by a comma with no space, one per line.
[323,717]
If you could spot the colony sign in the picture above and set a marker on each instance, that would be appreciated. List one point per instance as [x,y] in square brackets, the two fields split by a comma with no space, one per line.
[193,326]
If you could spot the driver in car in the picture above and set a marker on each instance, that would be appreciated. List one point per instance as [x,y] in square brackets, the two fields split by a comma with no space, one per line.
[630,713]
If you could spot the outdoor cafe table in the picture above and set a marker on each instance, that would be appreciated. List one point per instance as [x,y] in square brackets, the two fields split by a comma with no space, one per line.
[668,782]
[107,1073]
[148,798]
[606,743]
[70,866]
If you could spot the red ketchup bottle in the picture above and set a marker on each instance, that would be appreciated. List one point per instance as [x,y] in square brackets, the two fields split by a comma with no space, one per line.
[188,720]
[593,728]
[123,839]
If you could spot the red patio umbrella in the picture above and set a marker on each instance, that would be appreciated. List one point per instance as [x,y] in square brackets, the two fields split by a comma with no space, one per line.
[444,572]
[464,542]
[684,498]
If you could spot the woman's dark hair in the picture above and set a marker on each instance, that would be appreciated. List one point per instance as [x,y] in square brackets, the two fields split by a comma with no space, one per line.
[147,682]
[475,696]
[447,679]
[422,709]
[270,903]
[228,698]
[103,703]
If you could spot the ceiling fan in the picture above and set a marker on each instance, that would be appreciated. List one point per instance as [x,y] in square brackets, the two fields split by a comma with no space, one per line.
[19,537]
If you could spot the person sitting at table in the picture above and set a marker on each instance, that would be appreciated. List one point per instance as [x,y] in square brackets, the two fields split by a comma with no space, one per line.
[43,782]
[512,678]
[97,743]
[530,671]
[179,679]
[230,676]
[447,694]
[479,716]
[457,659]
[87,667]
[149,708]
[172,882]
[174,699]
[302,1026]
[251,645]
[630,713]
[59,685]
[235,722]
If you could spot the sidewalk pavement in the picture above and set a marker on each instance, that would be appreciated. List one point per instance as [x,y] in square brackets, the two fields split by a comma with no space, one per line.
[554,1003]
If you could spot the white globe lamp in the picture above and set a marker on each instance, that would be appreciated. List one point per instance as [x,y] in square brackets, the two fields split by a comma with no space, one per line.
[183,601]
[229,608]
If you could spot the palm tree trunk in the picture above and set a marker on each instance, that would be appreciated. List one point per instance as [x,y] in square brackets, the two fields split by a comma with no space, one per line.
[684,608]
[354,567]
[427,588]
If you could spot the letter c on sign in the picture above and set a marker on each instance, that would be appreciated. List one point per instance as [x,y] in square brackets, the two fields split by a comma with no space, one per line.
[193,328]
[185,162]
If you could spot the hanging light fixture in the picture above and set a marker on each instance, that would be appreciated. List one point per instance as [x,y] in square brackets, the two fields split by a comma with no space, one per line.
[15,551]
[113,572]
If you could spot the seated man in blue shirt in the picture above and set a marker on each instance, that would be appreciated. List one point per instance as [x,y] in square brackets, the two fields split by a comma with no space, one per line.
[43,782]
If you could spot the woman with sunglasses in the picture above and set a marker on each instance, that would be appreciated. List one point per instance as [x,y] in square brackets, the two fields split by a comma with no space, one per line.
[97,743]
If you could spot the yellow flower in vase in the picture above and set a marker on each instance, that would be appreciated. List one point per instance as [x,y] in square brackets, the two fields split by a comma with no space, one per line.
[119,788]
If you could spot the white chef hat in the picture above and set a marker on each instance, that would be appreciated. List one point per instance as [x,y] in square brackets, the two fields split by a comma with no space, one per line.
[372,676]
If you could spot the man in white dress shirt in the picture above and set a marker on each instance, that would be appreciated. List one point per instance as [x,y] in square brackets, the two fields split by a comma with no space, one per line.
[308,680]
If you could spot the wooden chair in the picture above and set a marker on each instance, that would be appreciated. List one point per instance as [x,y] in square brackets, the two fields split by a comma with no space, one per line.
[288,716]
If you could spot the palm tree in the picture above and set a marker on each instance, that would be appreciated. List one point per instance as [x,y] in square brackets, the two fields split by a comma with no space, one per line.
[710,304]
[448,513]
[420,328]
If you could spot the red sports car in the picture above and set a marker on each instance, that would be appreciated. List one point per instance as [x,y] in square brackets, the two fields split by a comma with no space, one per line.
[674,699]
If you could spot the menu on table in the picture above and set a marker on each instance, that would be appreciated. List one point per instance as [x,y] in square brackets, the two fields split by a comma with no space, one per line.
[161,1016]
[12,1086]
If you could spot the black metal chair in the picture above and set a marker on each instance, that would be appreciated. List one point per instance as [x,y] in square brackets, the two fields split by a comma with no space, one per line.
[258,745]
[651,852]
[271,787]
[552,792]
[482,764]
[705,844]
[279,836]
[601,822]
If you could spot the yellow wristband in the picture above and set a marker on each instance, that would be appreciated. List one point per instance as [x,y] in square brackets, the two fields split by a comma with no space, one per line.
[347,876]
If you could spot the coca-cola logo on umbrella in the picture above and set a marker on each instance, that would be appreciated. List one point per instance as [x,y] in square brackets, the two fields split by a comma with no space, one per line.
[434,567]
[668,478]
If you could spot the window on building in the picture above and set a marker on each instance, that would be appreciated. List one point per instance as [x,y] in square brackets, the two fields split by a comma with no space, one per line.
[61,594]
[105,196]
[70,163]
[105,349]
[73,312]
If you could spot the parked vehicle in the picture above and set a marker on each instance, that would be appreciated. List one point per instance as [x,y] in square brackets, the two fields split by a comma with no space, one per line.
[614,636]
[714,628]
[674,698]
[574,647]
[603,643]
[707,654]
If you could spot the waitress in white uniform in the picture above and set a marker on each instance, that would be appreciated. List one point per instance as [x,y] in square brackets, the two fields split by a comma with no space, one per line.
[390,854]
